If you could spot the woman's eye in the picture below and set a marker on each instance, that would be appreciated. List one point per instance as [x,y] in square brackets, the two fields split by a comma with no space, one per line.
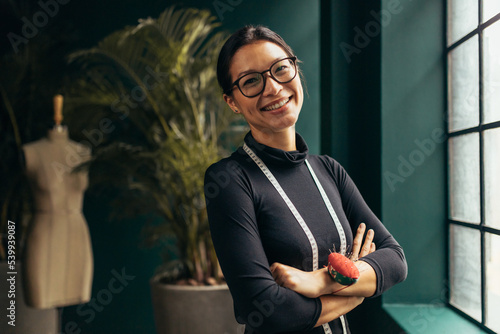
[251,81]
[281,69]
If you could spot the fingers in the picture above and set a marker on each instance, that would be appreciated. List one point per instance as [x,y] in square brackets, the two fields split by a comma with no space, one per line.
[280,273]
[358,241]
[360,248]
[275,271]
[367,246]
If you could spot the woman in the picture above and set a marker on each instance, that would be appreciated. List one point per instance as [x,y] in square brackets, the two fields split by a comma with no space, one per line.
[276,212]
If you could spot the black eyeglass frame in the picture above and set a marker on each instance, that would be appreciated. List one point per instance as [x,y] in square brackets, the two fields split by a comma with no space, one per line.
[237,82]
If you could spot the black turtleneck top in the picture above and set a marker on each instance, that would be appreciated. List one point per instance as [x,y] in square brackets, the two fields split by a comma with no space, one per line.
[252,227]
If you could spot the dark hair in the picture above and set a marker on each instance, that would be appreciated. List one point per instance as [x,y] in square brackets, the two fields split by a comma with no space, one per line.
[246,35]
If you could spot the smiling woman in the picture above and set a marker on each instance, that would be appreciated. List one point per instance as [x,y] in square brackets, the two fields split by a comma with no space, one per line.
[273,112]
[280,210]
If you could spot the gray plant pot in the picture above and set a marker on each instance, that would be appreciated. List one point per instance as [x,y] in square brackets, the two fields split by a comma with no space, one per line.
[193,309]
[27,320]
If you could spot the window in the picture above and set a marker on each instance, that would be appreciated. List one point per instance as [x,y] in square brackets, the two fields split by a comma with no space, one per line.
[473,55]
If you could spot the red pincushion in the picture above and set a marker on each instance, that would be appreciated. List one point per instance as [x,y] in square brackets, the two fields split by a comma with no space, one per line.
[339,264]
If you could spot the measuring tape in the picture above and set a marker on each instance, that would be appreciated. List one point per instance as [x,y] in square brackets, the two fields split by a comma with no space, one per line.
[300,220]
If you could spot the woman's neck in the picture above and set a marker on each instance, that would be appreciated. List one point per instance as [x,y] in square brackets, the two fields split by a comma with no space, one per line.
[284,140]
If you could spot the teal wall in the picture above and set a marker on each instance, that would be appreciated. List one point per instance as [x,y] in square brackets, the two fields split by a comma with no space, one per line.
[413,109]
[335,79]
[351,95]
[383,107]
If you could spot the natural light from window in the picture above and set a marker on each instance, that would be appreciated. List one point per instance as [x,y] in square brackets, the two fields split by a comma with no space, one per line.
[473,40]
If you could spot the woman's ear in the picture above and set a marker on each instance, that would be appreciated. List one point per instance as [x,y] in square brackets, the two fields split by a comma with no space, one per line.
[231,103]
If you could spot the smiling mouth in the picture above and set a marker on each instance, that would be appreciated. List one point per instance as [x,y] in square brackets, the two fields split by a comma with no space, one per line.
[276,105]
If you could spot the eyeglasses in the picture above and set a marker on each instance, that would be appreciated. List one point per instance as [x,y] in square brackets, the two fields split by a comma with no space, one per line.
[254,83]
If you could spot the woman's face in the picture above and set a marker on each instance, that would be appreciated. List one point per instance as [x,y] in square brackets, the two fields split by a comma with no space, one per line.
[264,112]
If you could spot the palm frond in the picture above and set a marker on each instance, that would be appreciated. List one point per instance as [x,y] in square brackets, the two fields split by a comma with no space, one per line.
[167,135]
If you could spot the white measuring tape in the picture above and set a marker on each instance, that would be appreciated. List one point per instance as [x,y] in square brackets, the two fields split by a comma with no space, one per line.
[300,220]
[340,229]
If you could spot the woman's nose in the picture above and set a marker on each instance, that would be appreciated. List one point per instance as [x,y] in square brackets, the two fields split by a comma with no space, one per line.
[272,87]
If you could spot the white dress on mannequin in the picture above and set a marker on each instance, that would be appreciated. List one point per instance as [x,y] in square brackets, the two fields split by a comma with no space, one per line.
[58,259]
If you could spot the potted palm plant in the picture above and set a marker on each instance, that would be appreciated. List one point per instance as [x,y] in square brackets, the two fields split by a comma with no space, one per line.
[147,101]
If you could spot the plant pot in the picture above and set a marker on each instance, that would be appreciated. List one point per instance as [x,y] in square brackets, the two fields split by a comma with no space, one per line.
[180,309]
[27,320]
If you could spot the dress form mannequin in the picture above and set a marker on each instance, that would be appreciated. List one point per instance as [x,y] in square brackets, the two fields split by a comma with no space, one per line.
[58,259]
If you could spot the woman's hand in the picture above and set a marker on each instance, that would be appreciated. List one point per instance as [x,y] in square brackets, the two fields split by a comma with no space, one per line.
[367,283]
[311,284]
[368,246]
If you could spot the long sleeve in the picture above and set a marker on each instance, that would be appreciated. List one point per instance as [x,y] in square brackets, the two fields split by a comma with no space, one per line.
[259,301]
[389,260]
[252,227]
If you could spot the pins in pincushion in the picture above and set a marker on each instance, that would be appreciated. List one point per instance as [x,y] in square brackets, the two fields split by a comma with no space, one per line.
[342,269]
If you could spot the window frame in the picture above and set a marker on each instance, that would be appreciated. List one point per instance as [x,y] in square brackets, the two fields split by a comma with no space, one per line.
[480,129]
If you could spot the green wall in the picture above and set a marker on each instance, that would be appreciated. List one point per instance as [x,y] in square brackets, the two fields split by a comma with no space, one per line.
[350,128]
[413,108]
[334,74]
[383,106]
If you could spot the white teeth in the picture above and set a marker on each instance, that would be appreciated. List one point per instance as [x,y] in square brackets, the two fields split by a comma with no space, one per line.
[277,105]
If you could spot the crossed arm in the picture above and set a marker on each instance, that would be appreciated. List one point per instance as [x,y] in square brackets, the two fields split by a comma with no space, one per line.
[309,298]
[336,299]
